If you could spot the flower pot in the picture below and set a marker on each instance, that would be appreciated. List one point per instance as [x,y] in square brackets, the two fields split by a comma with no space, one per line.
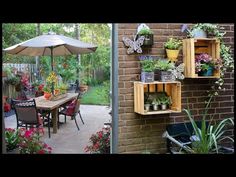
[47,96]
[172,55]
[163,106]
[155,107]
[83,88]
[208,72]
[147,107]
[199,33]
[148,41]
[147,76]
[163,76]
[56,91]
[14,151]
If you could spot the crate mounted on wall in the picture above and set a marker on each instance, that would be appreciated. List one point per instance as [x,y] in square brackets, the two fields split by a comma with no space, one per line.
[195,46]
[172,89]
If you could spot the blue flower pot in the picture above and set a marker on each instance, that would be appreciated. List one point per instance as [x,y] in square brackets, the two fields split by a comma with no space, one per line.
[208,72]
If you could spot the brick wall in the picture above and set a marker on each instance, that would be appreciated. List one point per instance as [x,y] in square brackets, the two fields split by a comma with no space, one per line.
[139,133]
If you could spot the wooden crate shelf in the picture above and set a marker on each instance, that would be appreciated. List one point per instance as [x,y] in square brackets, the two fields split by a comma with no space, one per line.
[172,89]
[195,46]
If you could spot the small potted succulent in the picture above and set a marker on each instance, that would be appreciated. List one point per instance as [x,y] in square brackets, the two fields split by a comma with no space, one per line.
[163,70]
[147,102]
[144,30]
[172,47]
[165,101]
[147,65]
[155,104]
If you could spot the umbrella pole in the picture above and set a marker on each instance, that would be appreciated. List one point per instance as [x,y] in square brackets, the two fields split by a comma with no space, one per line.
[51,57]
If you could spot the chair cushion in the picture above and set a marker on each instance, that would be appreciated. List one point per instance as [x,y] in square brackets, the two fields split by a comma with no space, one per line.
[71,108]
[40,119]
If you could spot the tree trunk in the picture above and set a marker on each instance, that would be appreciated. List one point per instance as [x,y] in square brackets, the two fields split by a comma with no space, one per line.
[77,33]
[37,57]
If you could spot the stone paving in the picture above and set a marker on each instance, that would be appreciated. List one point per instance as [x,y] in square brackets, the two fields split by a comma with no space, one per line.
[68,139]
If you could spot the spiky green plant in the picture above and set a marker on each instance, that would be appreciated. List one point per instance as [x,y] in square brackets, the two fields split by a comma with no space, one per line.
[208,136]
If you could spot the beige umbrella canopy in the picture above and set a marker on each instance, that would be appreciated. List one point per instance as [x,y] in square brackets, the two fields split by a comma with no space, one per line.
[51,45]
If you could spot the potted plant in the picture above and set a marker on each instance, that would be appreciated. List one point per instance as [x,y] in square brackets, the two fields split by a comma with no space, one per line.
[208,137]
[83,87]
[144,30]
[202,30]
[172,47]
[163,69]
[47,92]
[147,65]
[165,101]
[205,65]
[155,104]
[147,101]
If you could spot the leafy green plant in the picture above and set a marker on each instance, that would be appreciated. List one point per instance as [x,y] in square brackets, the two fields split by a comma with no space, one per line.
[156,101]
[13,80]
[104,90]
[47,89]
[173,44]
[164,65]
[164,100]
[145,31]
[147,63]
[12,138]
[208,137]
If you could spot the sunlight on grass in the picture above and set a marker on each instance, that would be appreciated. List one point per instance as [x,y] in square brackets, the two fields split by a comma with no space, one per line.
[92,96]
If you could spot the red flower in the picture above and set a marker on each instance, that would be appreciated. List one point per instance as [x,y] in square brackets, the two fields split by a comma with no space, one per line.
[28,133]
[41,152]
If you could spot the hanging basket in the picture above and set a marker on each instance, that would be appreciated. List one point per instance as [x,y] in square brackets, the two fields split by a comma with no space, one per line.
[148,41]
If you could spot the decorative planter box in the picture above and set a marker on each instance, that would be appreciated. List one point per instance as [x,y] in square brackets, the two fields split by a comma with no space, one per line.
[163,76]
[196,46]
[58,97]
[172,89]
[147,76]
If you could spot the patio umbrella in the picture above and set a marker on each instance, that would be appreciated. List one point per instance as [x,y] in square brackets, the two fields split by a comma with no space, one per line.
[51,45]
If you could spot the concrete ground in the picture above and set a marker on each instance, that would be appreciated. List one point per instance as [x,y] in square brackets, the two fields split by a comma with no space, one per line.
[68,139]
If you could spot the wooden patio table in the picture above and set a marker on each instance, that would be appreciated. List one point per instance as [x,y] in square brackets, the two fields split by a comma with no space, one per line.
[53,106]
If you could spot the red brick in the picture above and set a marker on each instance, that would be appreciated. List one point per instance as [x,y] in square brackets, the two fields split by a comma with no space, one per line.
[129,64]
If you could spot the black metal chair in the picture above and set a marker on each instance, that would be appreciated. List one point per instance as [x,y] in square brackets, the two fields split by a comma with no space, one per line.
[72,110]
[27,114]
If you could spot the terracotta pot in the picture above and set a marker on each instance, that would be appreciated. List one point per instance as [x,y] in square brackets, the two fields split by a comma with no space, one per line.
[47,95]
[83,88]
[56,91]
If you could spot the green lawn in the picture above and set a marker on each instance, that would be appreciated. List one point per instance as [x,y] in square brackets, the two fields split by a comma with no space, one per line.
[95,96]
